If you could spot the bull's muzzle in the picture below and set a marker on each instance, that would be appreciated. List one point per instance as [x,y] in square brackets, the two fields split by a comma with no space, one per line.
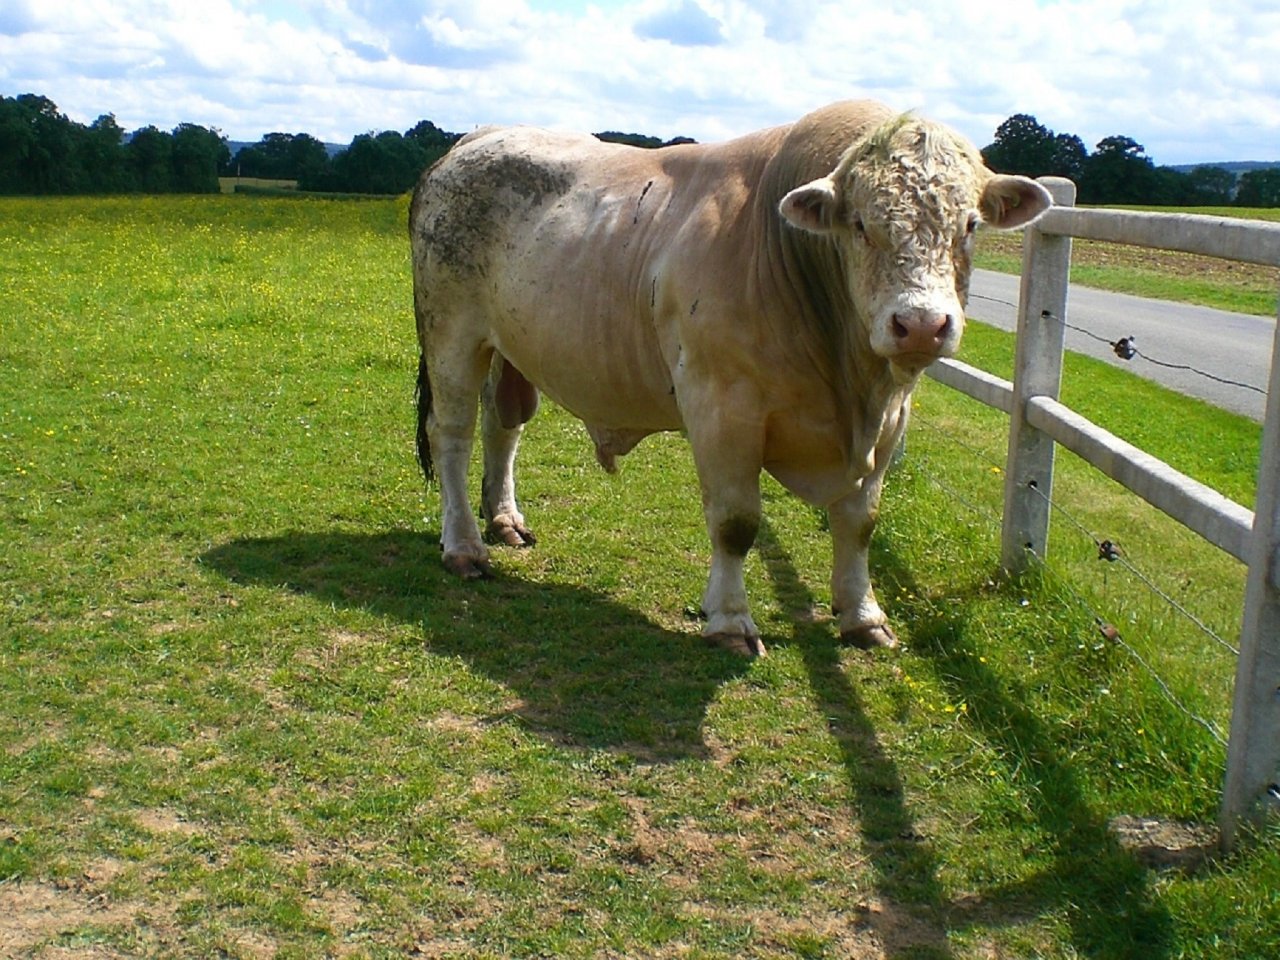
[919,335]
[923,332]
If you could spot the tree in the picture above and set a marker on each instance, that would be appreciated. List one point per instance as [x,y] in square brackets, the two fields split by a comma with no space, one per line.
[198,152]
[386,162]
[1210,186]
[281,156]
[1259,188]
[430,142]
[47,166]
[630,139]
[430,137]
[381,163]
[640,139]
[1118,171]
[149,158]
[1068,157]
[17,143]
[100,158]
[1022,145]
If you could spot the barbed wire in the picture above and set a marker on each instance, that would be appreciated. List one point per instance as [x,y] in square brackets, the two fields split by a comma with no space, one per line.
[934,428]
[1107,550]
[1112,635]
[924,466]
[1126,348]
[980,296]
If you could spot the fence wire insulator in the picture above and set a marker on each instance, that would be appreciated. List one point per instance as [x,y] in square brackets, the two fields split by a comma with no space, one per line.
[1126,348]
[1108,631]
[1108,551]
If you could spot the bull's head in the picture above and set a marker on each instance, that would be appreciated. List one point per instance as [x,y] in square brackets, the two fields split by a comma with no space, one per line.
[903,204]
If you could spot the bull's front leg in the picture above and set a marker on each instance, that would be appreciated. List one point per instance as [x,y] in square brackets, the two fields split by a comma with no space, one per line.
[853,520]
[727,455]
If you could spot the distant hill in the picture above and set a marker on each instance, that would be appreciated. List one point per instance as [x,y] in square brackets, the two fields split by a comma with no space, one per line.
[1234,166]
[236,145]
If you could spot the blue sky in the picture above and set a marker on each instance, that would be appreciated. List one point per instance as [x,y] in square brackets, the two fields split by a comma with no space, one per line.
[1191,81]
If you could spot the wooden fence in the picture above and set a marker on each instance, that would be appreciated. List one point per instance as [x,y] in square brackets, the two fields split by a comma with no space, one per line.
[1038,423]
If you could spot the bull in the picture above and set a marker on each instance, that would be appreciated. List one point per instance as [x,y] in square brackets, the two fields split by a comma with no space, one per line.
[776,297]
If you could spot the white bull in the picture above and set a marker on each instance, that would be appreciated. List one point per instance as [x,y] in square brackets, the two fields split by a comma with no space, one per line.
[775,296]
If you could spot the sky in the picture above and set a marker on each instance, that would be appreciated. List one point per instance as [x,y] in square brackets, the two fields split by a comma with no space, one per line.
[1190,83]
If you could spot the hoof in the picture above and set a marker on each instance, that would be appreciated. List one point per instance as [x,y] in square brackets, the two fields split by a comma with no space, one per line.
[870,636]
[503,531]
[736,643]
[468,568]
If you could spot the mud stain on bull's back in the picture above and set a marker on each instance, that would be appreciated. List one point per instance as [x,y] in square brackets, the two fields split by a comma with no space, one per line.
[466,202]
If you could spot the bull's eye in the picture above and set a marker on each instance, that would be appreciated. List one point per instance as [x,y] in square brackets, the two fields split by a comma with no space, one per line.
[972,226]
[859,228]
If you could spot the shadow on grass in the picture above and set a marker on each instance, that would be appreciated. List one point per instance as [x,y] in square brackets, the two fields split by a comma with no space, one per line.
[588,671]
[1100,891]
[593,673]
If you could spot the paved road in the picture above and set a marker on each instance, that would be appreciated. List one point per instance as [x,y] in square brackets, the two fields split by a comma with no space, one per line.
[1232,346]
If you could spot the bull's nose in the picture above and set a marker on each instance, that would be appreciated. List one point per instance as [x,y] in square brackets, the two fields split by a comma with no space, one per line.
[921,331]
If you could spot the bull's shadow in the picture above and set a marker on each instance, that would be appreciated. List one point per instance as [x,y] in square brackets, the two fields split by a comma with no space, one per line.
[587,671]
[1087,876]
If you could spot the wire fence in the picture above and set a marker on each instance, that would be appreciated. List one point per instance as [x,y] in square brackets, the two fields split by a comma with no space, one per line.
[1108,551]
[1040,423]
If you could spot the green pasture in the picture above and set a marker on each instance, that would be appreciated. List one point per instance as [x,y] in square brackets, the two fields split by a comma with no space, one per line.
[244,713]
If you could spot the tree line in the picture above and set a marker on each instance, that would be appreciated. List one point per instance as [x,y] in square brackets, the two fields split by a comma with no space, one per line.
[383,163]
[42,151]
[1120,172]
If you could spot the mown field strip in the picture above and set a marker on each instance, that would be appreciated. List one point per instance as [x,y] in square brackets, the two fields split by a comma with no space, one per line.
[246,713]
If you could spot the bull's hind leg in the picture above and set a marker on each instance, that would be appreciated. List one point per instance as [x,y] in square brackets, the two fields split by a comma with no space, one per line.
[456,376]
[509,402]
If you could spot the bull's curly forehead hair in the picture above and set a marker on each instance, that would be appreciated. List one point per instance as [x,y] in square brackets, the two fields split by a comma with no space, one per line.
[912,174]
[909,139]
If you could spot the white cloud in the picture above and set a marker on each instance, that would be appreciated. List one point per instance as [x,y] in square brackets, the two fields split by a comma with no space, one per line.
[1190,84]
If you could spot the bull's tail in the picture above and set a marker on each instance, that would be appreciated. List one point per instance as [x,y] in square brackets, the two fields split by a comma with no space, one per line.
[423,394]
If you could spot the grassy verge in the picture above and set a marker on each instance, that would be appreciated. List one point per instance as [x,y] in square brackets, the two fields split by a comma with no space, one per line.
[246,714]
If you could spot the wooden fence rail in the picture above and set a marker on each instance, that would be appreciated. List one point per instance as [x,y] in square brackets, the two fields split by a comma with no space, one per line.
[1038,422]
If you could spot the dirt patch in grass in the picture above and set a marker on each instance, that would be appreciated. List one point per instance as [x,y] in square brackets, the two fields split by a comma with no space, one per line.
[1165,844]
[162,822]
[35,917]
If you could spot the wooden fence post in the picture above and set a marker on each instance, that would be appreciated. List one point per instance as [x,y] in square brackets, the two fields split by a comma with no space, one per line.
[1252,784]
[1042,310]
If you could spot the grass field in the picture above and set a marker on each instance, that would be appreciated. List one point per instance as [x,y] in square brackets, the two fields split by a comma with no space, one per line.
[246,714]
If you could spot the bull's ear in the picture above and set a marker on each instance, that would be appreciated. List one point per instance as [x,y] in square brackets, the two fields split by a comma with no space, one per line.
[1010,202]
[812,207]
